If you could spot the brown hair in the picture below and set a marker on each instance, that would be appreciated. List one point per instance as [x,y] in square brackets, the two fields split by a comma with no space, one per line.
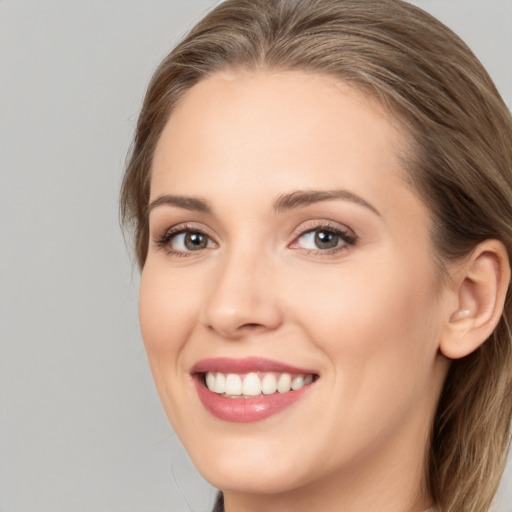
[461,166]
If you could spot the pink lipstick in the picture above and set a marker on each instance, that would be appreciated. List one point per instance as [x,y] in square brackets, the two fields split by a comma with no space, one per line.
[250,389]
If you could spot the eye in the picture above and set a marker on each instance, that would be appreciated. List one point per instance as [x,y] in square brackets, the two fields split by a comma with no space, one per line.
[319,239]
[183,240]
[190,241]
[324,239]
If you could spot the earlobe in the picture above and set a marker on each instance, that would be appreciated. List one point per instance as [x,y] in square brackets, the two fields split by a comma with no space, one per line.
[460,314]
[481,287]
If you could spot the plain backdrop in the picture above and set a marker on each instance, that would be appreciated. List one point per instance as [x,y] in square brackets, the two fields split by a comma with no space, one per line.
[81,427]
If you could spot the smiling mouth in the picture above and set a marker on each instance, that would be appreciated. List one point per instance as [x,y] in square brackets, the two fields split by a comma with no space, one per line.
[255,384]
[250,389]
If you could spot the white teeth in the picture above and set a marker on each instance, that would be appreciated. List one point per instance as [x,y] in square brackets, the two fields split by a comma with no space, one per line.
[210,381]
[269,384]
[254,384]
[251,385]
[233,384]
[297,382]
[220,383]
[284,384]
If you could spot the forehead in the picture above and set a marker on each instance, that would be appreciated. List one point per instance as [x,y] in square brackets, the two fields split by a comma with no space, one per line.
[279,129]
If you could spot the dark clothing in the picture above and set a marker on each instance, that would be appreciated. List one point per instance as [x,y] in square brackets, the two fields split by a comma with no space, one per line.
[219,503]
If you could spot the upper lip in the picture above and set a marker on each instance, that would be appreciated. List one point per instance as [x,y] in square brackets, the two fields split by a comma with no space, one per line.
[246,365]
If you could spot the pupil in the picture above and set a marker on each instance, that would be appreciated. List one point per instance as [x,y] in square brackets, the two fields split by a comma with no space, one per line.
[326,240]
[194,241]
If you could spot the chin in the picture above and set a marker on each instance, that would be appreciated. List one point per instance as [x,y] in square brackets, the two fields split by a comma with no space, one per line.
[249,479]
[251,471]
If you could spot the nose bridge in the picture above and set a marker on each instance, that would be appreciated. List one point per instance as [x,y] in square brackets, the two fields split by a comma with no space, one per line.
[242,297]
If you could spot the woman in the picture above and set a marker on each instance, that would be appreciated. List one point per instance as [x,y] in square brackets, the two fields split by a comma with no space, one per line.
[321,198]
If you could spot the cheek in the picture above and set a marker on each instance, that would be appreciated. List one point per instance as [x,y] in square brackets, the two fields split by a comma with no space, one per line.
[165,314]
[375,323]
[378,331]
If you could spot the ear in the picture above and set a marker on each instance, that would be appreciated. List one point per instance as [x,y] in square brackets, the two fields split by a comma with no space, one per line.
[481,286]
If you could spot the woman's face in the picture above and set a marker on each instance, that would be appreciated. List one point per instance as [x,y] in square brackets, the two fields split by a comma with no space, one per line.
[286,249]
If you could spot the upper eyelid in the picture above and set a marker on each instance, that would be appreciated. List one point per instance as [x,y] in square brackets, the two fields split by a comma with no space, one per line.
[182,227]
[325,224]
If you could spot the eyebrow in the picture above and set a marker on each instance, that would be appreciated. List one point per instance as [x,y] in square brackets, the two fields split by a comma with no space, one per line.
[188,203]
[306,197]
[282,203]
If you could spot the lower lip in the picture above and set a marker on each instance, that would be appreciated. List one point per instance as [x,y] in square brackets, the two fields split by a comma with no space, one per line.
[247,410]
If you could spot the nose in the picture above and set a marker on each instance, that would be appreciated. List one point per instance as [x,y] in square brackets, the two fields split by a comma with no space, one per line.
[242,299]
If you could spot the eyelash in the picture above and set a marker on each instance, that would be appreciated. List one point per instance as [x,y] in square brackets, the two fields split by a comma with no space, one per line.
[347,239]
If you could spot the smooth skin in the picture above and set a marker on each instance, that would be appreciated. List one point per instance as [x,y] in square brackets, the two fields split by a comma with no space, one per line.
[235,269]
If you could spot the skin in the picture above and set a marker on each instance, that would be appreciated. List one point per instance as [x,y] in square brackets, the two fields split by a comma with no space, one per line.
[367,318]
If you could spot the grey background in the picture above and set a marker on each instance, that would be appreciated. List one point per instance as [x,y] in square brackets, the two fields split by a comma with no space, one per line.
[81,427]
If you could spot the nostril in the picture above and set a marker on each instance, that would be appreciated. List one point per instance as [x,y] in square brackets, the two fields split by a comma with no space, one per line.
[251,327]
